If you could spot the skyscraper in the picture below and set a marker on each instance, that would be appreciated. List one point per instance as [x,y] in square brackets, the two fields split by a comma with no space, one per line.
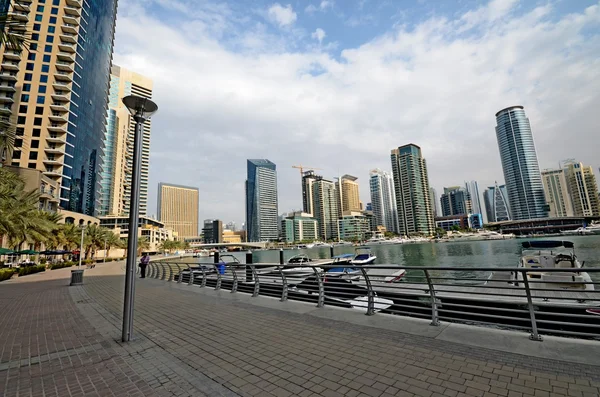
[411,185]
[436,208]
[308,178]
[520,164]
[473,190]
[261,201]
[583,188]
[496,203]
[118,145]
[350,200]
[383,202]
[456,201]
[178,208]
[57,93]
[326,208]
[556,190]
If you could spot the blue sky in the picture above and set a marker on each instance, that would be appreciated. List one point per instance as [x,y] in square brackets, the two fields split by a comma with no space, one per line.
[338,84]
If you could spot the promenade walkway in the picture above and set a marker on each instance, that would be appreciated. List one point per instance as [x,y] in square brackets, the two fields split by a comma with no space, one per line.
[57,340]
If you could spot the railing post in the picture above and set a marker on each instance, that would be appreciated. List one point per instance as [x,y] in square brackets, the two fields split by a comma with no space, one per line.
[150,265]
[164,271]
[284,284]
[219,278]
[191,280]
[203,283]
[281,261]
[256,281]
[154,267]
[331,251]
[534,332]
[216,257]
[370,293]
[249,272]
[235,280]
[170,272]
[321,301]
[434,306]
[178,273]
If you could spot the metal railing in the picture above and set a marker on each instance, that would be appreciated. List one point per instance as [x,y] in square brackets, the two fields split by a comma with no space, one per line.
[541,301]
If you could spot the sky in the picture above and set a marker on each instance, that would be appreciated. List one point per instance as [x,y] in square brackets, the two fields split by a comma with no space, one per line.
[337,84]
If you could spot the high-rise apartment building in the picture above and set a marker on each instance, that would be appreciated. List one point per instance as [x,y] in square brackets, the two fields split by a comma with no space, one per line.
[436,208]
[326,208]
[56,92]
[349,194]
[299,226]
[178,208]
[383,201]
[456,201]
[308,178]
[496,204]
[261,201]
[118,145]
[583,188]
[520,164]
[411,185]
[473,189]
[556,190]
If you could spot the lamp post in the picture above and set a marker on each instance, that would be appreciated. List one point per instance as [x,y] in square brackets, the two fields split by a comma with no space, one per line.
[81,245]
[104,261]
[141,109]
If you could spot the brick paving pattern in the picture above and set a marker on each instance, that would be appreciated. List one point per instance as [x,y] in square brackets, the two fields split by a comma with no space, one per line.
[62,340]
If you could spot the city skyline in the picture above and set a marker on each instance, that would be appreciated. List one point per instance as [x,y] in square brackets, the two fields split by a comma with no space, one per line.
[316,115]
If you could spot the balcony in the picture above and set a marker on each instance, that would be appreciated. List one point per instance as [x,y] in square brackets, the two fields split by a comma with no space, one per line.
[57,107]
[58,117]
[69,38]
[55,138]
[57,128]
[53,173]
[74,3]
[7,88]
[60,96]
[68,28]
[64,76]
[19,15]
[55,150]
[5,110]
[65,57]
[66,47]
[10,65]
[64,66]
[71,20]
[19,6]
[6,99]
[8,76]
[72,11]
[61,86]
[49,193]
[12,55]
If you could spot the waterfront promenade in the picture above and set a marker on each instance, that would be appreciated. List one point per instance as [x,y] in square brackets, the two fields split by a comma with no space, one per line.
[57,340]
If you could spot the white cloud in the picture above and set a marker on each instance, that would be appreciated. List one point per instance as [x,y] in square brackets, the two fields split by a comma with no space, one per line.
[283,16]
[318,34]
[427,85]
[323,6]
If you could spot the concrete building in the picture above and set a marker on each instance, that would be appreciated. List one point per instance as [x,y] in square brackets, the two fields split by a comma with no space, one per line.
[150,229]
[212,232]
[354,226]
[456,201]
[326,208]
[520,164]
[583,188]
[411,184]
[298,227]
[383,200]
[308,178]
[178,208]
[556,190]
[56,92]
[450,222]
[436,209]
[261,201]
[496,204]
[349,194]
[231,226]
[230,236]
[36,180]
[472,188]
[118,145]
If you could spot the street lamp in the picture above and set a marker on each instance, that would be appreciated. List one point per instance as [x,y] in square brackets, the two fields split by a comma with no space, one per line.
[141,109]
[81,245]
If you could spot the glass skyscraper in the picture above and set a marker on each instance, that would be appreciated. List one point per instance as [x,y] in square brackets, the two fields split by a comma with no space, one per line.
[261,201]
[383,200]
[520,164]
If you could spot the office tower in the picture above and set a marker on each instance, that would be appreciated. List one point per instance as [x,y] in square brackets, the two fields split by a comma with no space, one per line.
[456,201]
[383,202]
[118,145]
[178,208]
[473,189]
[496,203]
[436,209]
[520,164]
[350,200]
[212,232]
[411,185]
[261,201]
[56,92]
[298,227]
[583,189]
[556,191]
[308,178]
[326,208]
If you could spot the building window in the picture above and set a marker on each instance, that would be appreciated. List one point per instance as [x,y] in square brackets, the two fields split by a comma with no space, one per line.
[35,36]
[33,155]
[51,29]
[48,48]
[31,165]
[47,58]
[16,155]
[49,39]
[40,8]
[28,77]
[37,121]
[36,132]
[55,2]
[37,27]
[24,97]
[54,11]
[21,120]
[42,89]
[39,110]
[41,100]
[27,87]
[43,78]
[31,56]
[29,66]
[38,17]
[20,131]
[52,19]
[35,144]
[18,143]
[45,68]
[23,109]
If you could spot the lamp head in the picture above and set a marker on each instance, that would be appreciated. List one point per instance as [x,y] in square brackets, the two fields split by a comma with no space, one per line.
[141,107]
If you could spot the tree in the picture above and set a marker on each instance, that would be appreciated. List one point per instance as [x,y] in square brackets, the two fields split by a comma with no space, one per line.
[112,241]
[142,244]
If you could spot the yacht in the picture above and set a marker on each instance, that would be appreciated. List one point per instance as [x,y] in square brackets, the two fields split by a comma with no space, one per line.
[363,256]
[539,255]
[293,274]
[592,228]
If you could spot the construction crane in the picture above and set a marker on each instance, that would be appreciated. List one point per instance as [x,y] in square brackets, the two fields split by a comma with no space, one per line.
[303,167]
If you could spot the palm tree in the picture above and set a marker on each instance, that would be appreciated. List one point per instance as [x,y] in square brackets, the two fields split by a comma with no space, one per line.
[94,239]
[69,236]
[112,240]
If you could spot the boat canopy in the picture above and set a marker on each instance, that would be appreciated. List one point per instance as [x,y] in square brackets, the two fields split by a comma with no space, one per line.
[343,256]
[547,244]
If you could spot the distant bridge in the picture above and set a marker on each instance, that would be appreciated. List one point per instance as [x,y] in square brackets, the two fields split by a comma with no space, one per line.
[217,245]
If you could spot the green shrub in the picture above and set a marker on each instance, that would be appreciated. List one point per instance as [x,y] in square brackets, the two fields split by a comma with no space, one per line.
[61,265]
[43,261]
[5,274]
[23,271]
[87,261]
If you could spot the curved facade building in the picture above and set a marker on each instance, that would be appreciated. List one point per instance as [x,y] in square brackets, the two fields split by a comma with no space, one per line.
[520,164]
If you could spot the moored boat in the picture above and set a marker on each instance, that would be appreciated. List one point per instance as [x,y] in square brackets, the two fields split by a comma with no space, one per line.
[363,256]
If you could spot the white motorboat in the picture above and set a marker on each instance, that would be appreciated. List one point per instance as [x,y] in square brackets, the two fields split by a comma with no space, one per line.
[542,255]
[201,253]
[363,256]
[293,275]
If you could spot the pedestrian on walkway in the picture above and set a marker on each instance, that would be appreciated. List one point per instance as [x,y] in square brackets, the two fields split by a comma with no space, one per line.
[143,263]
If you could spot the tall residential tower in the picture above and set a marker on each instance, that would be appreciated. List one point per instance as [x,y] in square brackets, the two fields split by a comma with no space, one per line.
[56,93]
[556,190]
[584,189]
[178,208]
[383,200]
[520,164]
[118,147]
[496,203]
[261,201]
[411,184]
[349,196]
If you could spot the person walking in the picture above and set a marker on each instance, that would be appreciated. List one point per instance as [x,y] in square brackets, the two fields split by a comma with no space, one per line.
[143,263]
